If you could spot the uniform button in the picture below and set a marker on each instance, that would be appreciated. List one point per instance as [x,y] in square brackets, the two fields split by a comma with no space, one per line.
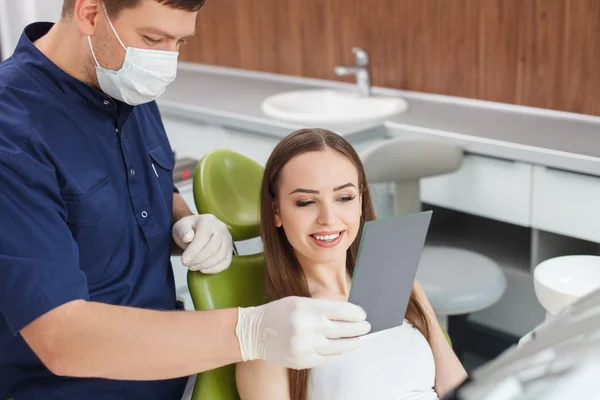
[106,102]
[132,171]
[117,130]
[144,214]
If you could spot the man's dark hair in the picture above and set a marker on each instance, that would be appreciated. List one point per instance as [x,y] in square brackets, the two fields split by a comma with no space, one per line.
[114,7]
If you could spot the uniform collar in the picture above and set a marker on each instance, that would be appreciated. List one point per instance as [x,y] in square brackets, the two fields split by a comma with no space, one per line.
[55,79]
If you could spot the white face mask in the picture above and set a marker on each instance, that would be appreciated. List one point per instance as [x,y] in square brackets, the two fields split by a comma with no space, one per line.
[144,76]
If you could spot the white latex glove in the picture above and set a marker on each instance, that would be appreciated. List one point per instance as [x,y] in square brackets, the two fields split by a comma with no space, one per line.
[300,332]
[206,241]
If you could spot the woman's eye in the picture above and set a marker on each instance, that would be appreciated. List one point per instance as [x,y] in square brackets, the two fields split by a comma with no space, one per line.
[304,203]
[346,199]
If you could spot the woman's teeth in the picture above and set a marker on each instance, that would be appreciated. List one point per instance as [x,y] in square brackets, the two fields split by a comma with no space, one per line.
[327,238]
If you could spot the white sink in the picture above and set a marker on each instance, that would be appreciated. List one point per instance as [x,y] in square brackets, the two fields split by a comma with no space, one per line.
[326,106]
[560,281]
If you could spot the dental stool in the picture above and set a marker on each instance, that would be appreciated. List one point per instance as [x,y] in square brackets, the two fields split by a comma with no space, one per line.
[457,281]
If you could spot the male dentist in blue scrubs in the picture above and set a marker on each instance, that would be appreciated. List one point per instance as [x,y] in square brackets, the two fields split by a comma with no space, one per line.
[89,214]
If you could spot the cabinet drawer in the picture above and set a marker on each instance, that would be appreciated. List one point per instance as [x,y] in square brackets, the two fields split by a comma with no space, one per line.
[484,186]
[566,203]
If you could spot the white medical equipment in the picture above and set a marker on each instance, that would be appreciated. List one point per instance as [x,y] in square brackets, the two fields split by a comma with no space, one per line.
[559,360]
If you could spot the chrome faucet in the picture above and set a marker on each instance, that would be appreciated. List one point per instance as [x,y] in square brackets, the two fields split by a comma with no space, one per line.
[360,69]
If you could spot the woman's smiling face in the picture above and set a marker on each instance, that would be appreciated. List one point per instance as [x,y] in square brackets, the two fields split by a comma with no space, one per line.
[319,205]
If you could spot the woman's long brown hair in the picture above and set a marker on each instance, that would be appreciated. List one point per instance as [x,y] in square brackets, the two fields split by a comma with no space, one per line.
[284,276]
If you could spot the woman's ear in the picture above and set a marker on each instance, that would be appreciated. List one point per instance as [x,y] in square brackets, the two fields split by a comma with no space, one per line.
[360,203]
[276,214]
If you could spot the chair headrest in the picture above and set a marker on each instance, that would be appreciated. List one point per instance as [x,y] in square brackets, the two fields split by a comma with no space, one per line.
[227,184]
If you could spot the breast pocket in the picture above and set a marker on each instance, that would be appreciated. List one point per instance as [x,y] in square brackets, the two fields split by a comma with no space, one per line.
[98,227]
[163,163]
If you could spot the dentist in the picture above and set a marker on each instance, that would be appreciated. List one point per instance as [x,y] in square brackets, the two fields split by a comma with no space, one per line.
[89,218]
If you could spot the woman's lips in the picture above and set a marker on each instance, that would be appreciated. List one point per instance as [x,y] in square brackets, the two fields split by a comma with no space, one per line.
[327,244]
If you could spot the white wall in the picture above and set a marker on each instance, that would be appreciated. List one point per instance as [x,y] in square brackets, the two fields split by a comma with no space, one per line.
[16,14]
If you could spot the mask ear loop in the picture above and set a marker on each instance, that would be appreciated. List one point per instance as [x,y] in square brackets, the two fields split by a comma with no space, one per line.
[92,49]
[114,31]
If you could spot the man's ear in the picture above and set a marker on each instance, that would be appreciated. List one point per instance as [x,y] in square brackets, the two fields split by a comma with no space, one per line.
[276,214]
[85,14]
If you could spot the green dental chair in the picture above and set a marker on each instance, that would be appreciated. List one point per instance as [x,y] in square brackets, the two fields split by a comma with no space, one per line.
[227,185]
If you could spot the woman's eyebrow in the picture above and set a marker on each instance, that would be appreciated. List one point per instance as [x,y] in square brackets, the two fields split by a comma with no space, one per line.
[300,190]
[312,191]
[344,186]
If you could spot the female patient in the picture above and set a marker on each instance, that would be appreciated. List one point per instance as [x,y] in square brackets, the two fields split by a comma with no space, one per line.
[314,202]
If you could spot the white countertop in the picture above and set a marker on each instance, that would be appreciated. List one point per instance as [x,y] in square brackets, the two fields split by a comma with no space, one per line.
[232,97]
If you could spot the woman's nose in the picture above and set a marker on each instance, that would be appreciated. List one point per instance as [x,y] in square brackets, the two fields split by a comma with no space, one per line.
[326,216]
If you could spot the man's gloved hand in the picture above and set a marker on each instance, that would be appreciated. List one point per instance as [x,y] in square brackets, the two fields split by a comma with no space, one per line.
[206,241]
[300,332]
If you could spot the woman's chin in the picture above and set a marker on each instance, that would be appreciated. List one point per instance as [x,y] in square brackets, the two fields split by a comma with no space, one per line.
[324,255]
[329,254]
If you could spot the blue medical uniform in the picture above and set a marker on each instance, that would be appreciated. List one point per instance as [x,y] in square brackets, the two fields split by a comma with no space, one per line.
[86,210]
